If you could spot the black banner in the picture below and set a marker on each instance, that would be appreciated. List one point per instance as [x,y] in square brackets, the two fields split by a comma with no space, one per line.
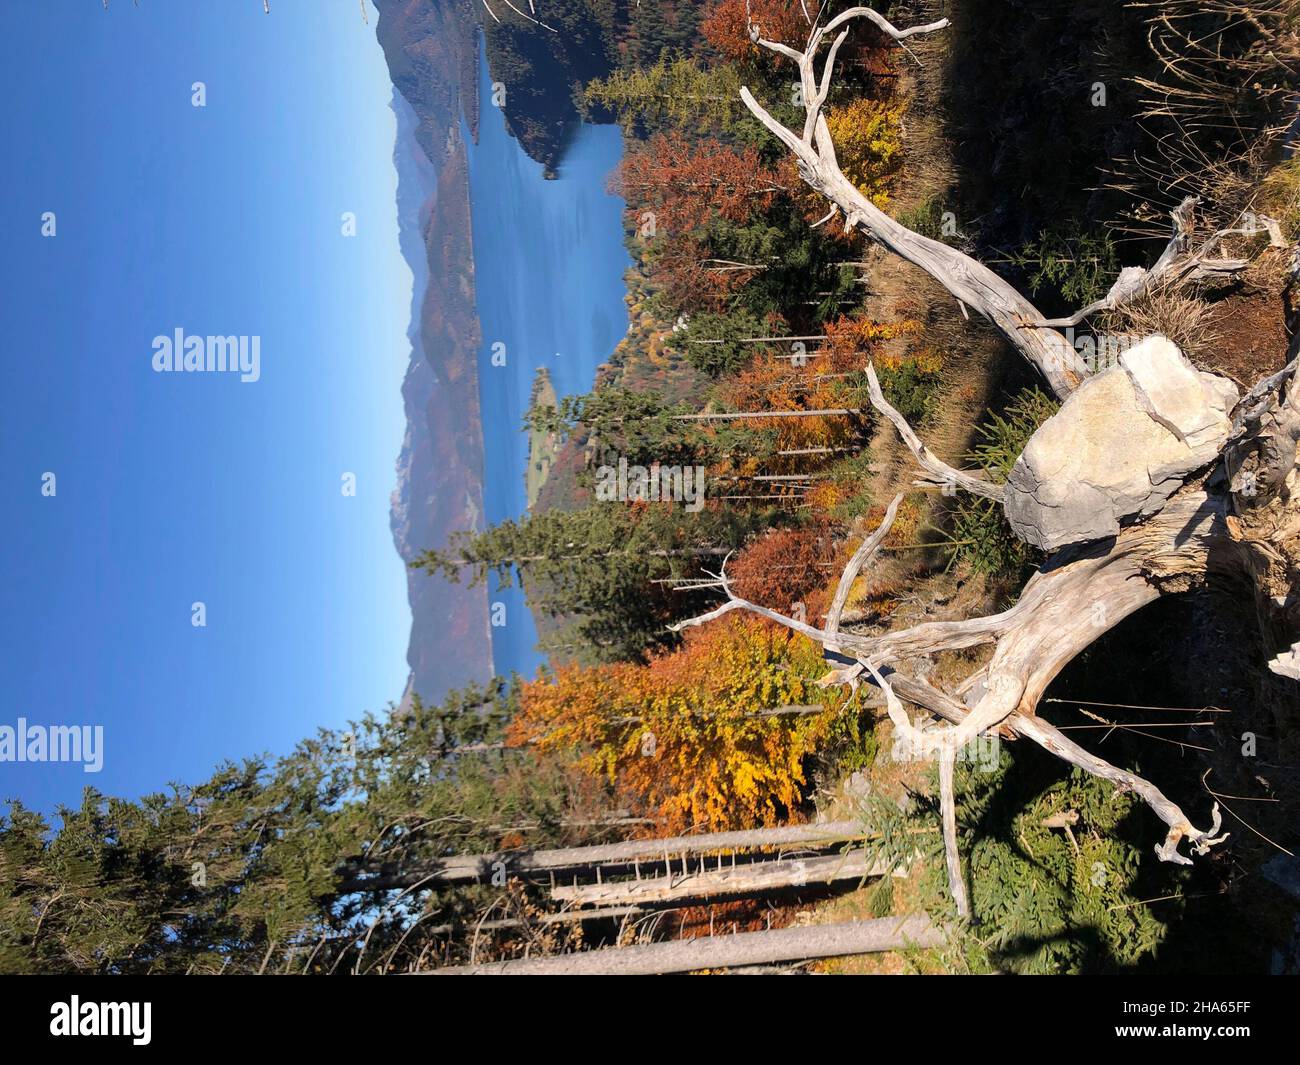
[141,1014]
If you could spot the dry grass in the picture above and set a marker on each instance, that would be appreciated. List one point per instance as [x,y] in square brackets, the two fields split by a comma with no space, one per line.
[1217,109]
[1280,197]
[1174,313]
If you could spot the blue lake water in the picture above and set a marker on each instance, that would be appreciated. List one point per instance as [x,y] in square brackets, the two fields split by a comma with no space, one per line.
[549,265]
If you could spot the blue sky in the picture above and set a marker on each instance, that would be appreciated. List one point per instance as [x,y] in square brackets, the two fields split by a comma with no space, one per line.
[176,488]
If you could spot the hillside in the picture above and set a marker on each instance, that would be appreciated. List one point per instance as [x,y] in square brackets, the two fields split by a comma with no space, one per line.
[431,58]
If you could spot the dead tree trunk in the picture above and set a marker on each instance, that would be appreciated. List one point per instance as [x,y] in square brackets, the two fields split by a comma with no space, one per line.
[721,952]
[1212,493]
[705,883]
[464,868]
[731,416]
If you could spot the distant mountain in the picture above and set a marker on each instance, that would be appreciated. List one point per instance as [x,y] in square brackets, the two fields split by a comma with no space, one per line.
[431,48]
[431,54]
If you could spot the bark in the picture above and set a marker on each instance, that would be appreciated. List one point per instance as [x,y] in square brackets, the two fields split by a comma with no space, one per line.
[676,885]
[718,952]
[462,868]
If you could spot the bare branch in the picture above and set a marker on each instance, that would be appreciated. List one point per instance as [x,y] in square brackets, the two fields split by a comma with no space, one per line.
[861,557]
[1054,741]
[941,474]
[969,281]
[1051,739]
[1063,609]
[1177,264]
[948,813]
[882,22]
[815,108]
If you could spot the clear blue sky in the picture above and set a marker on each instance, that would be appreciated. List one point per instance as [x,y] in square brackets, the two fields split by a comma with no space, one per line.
[193,487]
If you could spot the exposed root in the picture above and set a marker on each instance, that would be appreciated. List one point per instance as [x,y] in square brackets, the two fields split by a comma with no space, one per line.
[1082,593]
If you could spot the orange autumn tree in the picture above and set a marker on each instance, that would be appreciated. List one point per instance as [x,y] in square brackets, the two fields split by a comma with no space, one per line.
[829,377]
[784,568]
[680,737]
[674,187]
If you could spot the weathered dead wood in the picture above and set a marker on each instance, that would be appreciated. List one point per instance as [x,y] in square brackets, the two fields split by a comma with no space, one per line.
[721,952]
[868,549]
[462,868]
[1179,263]
[1066,606]
[972,283]
[731,416]
[948,811]
[1262,457]
[1244,528]
[941,474]
[505,924]
[704,883]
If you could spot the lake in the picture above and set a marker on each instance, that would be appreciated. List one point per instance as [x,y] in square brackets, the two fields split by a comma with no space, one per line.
[549,262]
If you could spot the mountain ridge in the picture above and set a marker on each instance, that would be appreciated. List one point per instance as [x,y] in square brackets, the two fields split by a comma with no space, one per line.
[429,49]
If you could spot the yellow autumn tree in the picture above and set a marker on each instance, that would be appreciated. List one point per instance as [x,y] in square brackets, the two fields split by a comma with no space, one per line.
[869,143]
[683,737]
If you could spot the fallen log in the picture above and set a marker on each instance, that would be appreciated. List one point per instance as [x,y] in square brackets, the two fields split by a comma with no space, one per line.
[541,919]
[462,868]
[733,416]
[734,880]
[721,952]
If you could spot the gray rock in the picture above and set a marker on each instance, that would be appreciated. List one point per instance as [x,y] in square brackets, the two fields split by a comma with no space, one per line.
[1287,664]
[1119,447]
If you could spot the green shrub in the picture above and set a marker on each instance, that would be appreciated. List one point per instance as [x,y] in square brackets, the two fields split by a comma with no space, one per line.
[1043,899]
[980,530]
[1075,263]
[912,387]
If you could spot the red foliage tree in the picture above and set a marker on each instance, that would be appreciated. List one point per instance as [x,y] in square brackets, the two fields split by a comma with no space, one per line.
[784,567]
[687,181]
[674,185]
[726,27]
